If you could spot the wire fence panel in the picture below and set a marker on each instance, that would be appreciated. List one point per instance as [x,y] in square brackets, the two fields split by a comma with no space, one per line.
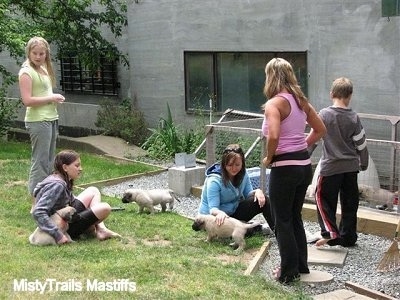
[381,179]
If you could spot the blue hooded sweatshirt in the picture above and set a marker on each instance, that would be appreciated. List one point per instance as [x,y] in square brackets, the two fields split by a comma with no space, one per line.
[216,195]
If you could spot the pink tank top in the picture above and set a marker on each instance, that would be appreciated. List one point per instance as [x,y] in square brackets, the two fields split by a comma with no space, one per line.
[292,137]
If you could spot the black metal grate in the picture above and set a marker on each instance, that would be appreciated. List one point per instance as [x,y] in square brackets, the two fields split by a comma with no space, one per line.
[75,77]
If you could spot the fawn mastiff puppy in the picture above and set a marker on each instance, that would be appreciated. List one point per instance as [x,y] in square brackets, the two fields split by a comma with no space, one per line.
[230,228]
[149,198]
[61,218]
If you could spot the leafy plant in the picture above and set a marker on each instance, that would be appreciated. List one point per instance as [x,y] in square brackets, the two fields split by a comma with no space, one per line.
[168,139]
[122,121]
[75,25]
[8,110]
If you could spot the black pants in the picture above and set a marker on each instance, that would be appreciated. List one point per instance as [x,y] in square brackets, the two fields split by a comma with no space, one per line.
[327,192]
[82,220]
[249,208]
[287,189]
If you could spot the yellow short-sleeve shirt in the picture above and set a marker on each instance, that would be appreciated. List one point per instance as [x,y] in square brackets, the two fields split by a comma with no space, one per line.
[41,87]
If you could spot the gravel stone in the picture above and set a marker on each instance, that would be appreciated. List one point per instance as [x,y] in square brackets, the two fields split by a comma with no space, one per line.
[360,265]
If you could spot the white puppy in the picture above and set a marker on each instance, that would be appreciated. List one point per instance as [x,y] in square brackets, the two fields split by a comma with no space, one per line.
[61,219]
[376,196]
[149,198]
[230,228]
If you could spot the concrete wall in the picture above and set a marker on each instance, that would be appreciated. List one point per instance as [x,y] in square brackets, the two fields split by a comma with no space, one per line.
[342,38]
[73,115]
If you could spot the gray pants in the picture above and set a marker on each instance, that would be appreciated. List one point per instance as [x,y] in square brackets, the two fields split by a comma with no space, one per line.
[43,137]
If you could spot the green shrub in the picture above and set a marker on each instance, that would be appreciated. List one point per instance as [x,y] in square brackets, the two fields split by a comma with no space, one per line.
[122,120]
[168,139]
[8,112]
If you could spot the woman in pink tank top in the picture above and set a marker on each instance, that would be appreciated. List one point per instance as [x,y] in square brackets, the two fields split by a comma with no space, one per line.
[286,114]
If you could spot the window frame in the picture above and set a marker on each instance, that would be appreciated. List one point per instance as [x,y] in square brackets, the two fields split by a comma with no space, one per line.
[302,76]
[78,79]
[390,8]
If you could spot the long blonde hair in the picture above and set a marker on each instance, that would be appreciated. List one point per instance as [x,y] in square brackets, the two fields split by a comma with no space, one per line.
[39,41]
[279,76]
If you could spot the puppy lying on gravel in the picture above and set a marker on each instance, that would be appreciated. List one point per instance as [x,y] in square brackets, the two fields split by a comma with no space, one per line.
[376,196]
[61,218]
[150,198]
[230,228]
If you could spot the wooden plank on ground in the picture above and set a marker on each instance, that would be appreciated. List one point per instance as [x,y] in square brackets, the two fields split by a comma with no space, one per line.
[367,292]
[258,259]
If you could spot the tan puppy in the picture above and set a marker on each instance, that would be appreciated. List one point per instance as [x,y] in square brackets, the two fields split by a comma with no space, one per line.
[61,219]
[230,228]
[149,198]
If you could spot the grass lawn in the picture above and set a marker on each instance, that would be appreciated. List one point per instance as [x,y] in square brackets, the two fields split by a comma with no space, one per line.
[159,256]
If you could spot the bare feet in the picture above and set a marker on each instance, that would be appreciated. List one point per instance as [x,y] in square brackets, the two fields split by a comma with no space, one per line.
[321,242]
[276,273]
[104,234]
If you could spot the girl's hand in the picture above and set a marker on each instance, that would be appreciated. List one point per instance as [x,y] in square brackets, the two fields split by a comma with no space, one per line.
[64,240]
[58,98]
[220,218]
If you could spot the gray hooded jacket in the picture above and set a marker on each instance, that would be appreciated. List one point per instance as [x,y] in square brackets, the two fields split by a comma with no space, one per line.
[51,195]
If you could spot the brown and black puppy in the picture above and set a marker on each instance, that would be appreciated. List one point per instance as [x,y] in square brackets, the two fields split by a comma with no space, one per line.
[230,228]
[149,198]
[61,218]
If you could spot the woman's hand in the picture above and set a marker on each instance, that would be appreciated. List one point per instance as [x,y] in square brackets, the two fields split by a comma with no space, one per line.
[260,197]
[267,161]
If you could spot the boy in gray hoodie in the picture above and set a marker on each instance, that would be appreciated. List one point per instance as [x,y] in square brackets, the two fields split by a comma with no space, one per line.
[344,154]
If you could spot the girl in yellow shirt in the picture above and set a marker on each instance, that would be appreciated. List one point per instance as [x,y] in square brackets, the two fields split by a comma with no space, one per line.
[36,82]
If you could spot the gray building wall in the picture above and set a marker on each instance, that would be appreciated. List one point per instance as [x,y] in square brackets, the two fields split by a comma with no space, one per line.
[342,38]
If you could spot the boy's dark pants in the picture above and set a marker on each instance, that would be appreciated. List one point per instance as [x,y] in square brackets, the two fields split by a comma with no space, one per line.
[328,189]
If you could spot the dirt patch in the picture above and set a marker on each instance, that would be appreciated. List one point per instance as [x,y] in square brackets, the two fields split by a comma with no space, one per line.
[128,242]
[15,183]
[157,241]
[245,257]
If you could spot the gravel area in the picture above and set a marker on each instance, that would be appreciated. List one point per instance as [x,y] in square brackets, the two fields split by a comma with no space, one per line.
[360,265]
